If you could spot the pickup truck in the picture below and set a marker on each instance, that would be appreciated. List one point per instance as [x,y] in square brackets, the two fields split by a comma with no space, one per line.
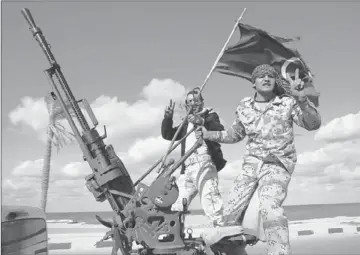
[23,231]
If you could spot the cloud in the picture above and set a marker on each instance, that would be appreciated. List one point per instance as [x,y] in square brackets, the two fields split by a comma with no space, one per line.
[343,171]
[23,186]
[335,166]
[76,170]
[29,168]
[342,148]
[28,174]
[120,117]
[31,112]
[161,91]
[33,168]
[149,148]
[340,129]
[69,188]
[24,183]
[144,153]
[333,153]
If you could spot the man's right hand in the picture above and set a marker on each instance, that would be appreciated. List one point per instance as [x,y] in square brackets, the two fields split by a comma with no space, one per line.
[169,110]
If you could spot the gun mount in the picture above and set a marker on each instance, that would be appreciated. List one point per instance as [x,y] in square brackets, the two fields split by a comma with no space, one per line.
[142,215]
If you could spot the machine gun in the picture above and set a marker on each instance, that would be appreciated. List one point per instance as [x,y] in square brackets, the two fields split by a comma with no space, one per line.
[142,215]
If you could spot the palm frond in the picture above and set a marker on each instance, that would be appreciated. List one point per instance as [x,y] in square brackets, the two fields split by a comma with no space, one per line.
[49,102]
[61,137]
[55,110]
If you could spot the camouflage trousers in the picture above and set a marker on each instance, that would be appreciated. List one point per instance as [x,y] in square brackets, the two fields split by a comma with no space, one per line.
[271,181]
[201,177]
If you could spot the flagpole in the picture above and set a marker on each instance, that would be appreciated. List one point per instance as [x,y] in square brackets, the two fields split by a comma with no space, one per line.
[202,87]
[222,51]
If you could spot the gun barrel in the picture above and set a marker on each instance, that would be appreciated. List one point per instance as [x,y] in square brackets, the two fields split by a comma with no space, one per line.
[110,179]
[27,15]
[37,33]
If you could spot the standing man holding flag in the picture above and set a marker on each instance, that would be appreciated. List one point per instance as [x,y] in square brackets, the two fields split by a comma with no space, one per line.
[267,120]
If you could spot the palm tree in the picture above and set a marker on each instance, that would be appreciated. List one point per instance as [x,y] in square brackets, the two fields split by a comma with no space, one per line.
[57,136]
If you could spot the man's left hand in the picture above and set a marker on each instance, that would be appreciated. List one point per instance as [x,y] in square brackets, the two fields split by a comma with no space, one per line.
[200,132]
[195,119]
[297,87]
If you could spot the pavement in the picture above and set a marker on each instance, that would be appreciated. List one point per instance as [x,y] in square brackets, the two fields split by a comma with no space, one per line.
[336,244]
[330,242]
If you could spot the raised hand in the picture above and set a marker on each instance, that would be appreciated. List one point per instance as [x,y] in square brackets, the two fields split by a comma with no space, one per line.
[169,110]
[296,86]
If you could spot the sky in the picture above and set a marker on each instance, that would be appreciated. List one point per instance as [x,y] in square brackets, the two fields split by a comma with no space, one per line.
[128,59]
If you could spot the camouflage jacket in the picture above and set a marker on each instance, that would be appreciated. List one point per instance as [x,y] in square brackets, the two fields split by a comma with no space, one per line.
[270,133]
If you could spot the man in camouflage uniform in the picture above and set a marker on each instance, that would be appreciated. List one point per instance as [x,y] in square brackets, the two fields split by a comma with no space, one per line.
[267,119]
[199,172]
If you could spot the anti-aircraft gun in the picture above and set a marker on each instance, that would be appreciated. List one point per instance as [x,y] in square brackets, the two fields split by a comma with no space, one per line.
[142,215]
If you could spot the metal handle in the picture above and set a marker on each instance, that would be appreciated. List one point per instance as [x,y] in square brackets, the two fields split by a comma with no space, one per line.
[89,111]
[105,133]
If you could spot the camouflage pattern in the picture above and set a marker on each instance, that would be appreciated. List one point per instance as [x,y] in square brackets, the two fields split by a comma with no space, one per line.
[262,70]
[271,181]
[269,161]
[200,176]
[270,132]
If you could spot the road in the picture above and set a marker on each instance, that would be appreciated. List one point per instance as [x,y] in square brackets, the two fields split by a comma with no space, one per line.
[336,244]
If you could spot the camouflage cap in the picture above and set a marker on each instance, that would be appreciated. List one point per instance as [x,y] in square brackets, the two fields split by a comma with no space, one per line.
[262,70]
[282,86]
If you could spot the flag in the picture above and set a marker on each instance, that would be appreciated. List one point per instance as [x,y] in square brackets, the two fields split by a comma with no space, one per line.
[258,47]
